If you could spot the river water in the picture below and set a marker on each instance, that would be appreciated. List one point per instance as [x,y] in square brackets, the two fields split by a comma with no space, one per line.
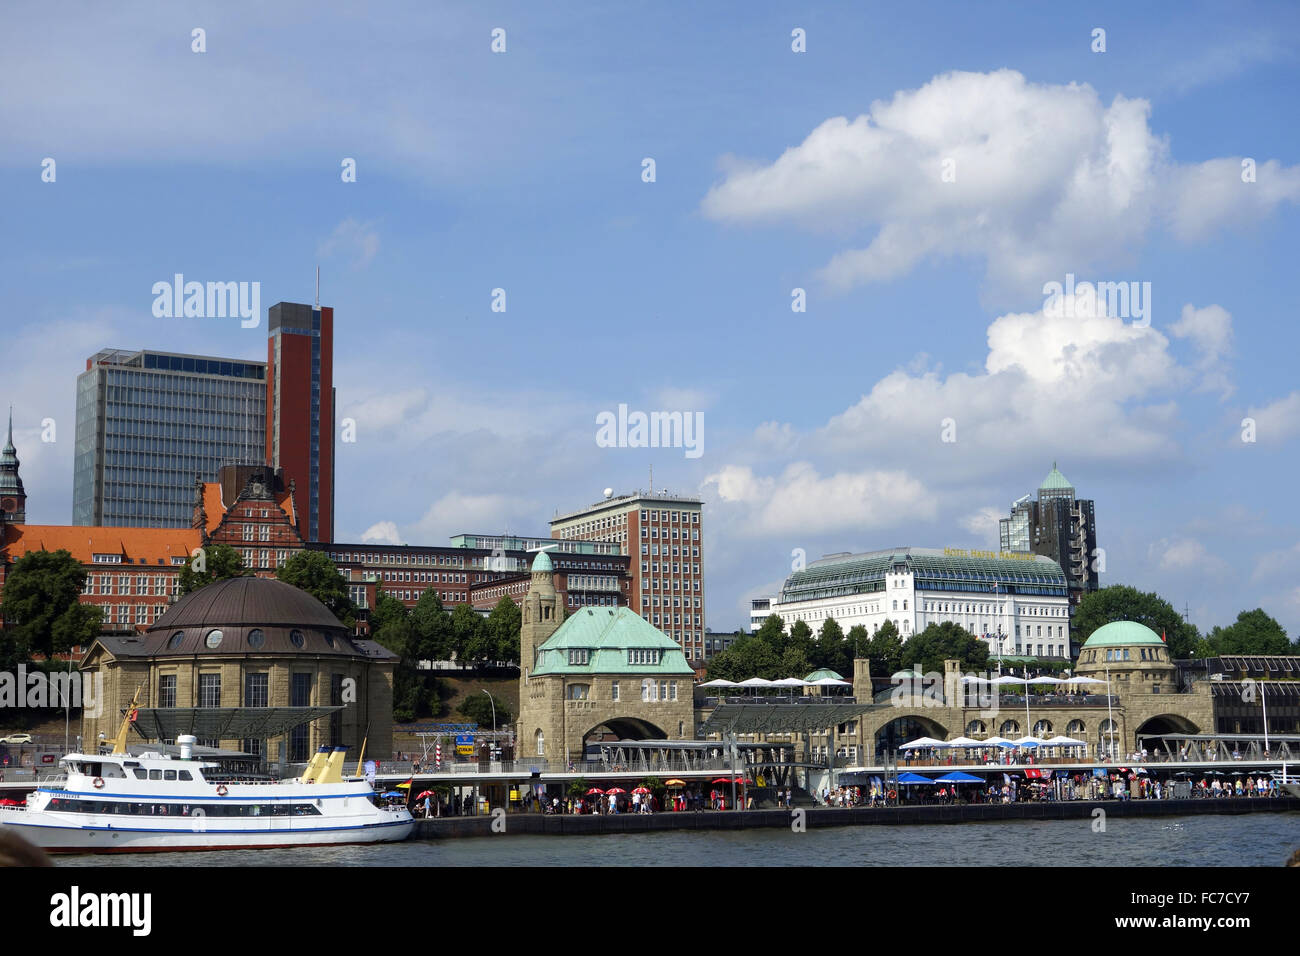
[1256,839]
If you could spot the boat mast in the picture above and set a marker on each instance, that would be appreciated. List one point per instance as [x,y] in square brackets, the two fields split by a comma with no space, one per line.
[119,744]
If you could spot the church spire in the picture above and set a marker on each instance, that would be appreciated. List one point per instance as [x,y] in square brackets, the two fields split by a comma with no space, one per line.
[13,499]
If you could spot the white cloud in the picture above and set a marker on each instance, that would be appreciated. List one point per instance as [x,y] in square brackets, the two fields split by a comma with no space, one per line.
[1183,554]
[1048,180]
[801,500]
[382,532]
[1278,420]
[356,242]
[460,513]
[1086,385]
[1210,330]
[983,522]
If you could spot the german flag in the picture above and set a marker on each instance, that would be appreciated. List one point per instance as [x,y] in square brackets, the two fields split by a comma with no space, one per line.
[407,785]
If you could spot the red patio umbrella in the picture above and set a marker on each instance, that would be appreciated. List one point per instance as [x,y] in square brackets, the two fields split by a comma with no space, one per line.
[594,790]
[616,790]
[427,793]
[641,790]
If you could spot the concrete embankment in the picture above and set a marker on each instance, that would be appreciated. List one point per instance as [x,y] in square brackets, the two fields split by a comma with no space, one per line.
[534,823]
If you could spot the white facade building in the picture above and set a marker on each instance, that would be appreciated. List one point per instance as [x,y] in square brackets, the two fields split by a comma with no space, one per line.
[1020,601]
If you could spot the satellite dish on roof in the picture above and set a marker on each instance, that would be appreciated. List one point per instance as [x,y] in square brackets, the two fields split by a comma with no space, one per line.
[609,492]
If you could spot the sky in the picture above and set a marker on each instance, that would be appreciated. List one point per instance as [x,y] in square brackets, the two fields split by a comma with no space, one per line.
[830,230]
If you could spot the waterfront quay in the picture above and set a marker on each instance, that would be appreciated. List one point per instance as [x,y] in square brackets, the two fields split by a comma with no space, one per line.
[1085,811]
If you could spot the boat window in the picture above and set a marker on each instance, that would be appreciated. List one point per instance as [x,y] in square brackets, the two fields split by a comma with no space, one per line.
[185,775]
[141,773]
[169,774]
[155,774]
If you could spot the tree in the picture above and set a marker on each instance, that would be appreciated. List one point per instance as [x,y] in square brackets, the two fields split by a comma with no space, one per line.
[885,651]
[478,708]
[859,639]
[431,624]
[42,607]
[390,624]
[217,561]
[315,573]
[470,636]
[503,626]
[793,664]
[833,649]
[772,630]
[1253,633]
[1122,603]
[926,652]
[747,657]
[801,639]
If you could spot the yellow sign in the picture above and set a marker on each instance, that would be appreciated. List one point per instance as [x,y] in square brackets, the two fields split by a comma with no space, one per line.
[465,750]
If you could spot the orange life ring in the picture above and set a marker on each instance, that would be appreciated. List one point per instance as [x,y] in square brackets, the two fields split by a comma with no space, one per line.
[892,795]
[221,790]
[99,783]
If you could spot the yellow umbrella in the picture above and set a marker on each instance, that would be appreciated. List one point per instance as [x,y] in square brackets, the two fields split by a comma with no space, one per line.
[674,783]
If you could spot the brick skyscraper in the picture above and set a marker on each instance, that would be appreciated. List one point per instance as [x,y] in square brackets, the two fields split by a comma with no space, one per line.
[300,410]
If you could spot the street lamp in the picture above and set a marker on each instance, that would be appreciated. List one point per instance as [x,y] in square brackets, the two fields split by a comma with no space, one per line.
[494,713]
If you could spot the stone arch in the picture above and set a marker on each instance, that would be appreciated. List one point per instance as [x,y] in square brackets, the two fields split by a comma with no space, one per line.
[1155,728]
[907,727]
[626,728]
[1076,728]
[1009,727]
[976,727]
[1042,728]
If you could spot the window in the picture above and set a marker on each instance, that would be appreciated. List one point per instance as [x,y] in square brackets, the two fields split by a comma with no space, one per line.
[209,690]
[648,690]
[541,744]
[579,691]
[644,655]
[579,655]
[613,690]
[256,690]
[213,639]
[167,690]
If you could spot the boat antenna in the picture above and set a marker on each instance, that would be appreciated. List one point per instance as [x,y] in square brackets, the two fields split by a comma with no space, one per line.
[362,759]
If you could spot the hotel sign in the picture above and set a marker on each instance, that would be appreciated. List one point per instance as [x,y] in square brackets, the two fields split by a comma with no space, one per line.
[1000,555]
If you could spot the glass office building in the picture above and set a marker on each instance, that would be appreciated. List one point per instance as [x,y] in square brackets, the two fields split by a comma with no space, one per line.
[149,422]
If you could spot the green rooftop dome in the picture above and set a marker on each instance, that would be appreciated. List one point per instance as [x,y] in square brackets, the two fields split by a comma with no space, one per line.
[822,674]
[1125,633]
[609,640]
[542,562]
[1055,481]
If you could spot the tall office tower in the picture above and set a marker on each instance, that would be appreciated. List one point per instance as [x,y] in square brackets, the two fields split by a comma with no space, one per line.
[661,535]
[1059,526]
[300,410]
[149,422]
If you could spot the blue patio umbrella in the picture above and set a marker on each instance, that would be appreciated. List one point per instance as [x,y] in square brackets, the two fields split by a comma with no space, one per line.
[393,793]
[958,777]
[913,778]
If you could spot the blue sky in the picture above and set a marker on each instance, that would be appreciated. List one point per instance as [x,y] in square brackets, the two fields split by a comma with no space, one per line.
[775,170]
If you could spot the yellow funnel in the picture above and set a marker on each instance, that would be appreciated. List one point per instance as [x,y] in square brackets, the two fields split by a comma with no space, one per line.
[333,772]
[316,767]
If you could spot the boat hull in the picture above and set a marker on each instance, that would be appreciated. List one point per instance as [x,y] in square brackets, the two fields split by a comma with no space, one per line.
[56,834]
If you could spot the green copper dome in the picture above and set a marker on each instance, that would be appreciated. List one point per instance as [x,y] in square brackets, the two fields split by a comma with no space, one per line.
[609,640]
[542,562]
[1126,633]
[822,674]
[1055,481]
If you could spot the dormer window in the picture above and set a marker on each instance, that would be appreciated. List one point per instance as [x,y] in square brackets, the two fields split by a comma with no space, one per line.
[651,656]
[579,655]
[108,559]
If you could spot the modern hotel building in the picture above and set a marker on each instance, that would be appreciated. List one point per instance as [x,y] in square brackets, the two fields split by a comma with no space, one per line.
[1020,602]
[148,422]
[661,534]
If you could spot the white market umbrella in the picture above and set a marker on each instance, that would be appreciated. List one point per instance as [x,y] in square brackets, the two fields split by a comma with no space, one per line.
[755,682]
[1046,680]
[924,742]
[1081,681]
[999,742]
[831,682]
[789,682]
[1028,742]
[972,679]
[1064,742]
[965,742]
[719,682]
[1007,679]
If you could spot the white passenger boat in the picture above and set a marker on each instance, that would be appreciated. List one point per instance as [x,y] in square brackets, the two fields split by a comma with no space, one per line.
[123,802]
